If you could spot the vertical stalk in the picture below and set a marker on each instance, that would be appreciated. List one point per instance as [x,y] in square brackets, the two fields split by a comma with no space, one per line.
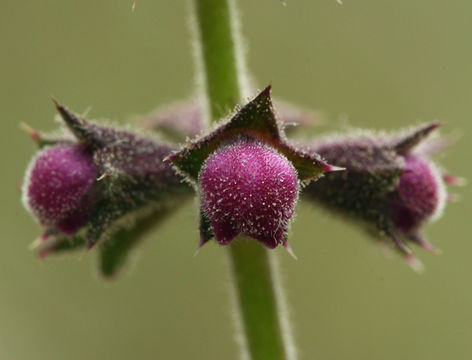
[219,56]
[259,308]
[266,334]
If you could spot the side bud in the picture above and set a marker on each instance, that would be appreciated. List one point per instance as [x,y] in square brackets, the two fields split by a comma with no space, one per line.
[390,182]
[420,196]
[95,181]
[56,184]
[247,187]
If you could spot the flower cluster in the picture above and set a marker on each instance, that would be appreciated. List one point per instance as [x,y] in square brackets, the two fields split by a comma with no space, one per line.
[98,183]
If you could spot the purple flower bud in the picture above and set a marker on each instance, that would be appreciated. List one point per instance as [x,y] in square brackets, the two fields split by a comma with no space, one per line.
[248,175]
[389,182]
[420,195]
[56,183]
[247,187]
[97,179]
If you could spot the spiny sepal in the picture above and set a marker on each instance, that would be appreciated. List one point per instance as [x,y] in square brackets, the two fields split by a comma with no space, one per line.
[248,175]
[42,139]
[98,182]
[256,119]
[115,253]
[60,244]
[185,119]
[413,138]
[390,183]
[206,230]
[80,128]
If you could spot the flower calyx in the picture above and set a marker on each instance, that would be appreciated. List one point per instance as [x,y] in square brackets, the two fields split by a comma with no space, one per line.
[390,182]
[95,180]
[248,175]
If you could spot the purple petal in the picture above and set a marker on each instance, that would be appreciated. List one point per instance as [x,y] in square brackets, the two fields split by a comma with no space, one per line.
[56,181]
[248,187]
[422,194]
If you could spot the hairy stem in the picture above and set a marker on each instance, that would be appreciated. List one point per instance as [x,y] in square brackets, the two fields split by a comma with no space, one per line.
[266,334]
[259,305]
[219,56]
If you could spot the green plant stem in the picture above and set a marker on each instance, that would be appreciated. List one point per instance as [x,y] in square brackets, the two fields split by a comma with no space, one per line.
[218,60]
[259,309]
[259,298]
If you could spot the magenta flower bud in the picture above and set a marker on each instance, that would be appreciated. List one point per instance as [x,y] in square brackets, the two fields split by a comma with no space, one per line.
[421,195]
[248,175]
[87,185]
[56,183]
[248,187]
[390,183]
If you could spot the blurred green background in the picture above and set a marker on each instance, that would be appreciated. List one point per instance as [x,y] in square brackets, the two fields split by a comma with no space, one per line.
[367,63]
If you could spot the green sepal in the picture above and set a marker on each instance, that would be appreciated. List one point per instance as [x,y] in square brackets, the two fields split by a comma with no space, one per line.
[62,244]
[115,252]
[41,139]
[415,137]
[80,128]
[256,119]
[206,230]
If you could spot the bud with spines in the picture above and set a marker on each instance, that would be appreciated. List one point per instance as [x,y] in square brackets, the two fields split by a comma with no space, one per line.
[97,181]
[390,182]
[248,175]
[248,187]
[58,185]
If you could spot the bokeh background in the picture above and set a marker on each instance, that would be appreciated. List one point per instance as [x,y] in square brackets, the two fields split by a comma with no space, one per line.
[367,63]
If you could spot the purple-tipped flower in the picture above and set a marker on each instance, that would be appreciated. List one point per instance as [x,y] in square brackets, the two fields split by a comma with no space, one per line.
[95,180]
[56,186]
[420,195]
[248,175]
[390,182]
[247,187]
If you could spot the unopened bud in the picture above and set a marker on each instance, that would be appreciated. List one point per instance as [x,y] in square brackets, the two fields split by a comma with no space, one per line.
[247,187]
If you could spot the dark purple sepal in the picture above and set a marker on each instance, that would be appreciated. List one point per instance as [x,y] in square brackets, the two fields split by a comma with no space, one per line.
[412,139]
[81,129]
